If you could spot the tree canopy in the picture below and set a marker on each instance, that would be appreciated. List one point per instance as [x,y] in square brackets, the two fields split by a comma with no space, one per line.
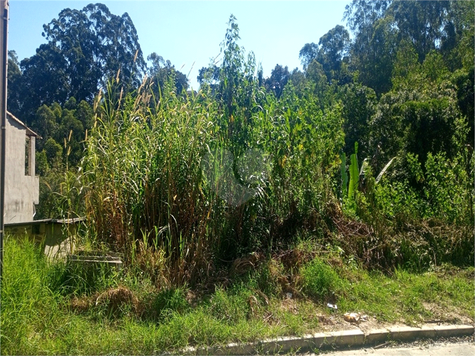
[85,49]
[394,87]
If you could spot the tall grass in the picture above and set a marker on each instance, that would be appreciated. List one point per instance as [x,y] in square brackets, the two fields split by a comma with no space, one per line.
[167,185]
[183,183]
[148,184]
[198,180]
[29,307]
[144,182]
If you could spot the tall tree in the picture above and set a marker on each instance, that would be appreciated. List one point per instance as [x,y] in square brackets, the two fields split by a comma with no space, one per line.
[374,47]
[43,80]
[85,49]
[334,46]
[459,36]
[208,76]
[362,14]
[358,107]
[420,115]
[423,23]
[161,71]
[14,84]
[278,79]
[308,53]
[380,26]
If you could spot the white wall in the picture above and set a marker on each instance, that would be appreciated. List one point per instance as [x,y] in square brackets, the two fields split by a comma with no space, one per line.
[21,191]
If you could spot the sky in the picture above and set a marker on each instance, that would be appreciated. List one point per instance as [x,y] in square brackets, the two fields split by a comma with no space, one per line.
[189,33]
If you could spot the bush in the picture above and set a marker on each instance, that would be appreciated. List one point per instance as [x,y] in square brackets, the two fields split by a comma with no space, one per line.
[320,280]
[168,302]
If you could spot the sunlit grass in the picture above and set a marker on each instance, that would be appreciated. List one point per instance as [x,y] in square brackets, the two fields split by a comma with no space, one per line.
[38,318]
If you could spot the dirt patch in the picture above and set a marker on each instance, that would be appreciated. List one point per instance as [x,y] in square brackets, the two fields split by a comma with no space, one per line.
[445,314]
[289,305]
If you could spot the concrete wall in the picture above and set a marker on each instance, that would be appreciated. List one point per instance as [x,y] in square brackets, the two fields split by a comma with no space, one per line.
[21,187]
[57,237]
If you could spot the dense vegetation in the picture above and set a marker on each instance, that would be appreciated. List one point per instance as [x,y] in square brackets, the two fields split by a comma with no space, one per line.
[369,148]
[55,308]
[334,184]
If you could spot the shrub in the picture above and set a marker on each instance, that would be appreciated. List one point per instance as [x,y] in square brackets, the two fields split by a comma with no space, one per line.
[319,279]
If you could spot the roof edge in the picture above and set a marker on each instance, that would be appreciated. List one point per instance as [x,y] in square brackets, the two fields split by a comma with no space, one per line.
[29,131]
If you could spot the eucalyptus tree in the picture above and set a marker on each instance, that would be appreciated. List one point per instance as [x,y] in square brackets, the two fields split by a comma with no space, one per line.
[162,71]
[14,84]
[373,48]
[96,45]
[43,81]
[380,26]
[358,107]
[208,75]
[308,53]
[333,51]
[278,79]
[85,49]
[420,115]
[423,23]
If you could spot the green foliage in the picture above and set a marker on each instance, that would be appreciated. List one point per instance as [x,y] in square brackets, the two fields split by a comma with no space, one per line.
[282,150]
[275,159]
[349,188]
[185,183]
[354,174]
[331,53]
[63,130]
[277,80]
[14,98]
[419,115]
[53,152]
[76,278]
[308,53]
[359,105]
[194,189]
[398,199]
[230,307]
[168,302]
[320,279]
[446,189]
[37,318]
[373,49]
[344,176]
[30,309]
[85,48]
[421,23]
[438,189]
[161,72]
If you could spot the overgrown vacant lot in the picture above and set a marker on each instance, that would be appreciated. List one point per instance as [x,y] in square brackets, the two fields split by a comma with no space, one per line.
[242,210]
[50,309]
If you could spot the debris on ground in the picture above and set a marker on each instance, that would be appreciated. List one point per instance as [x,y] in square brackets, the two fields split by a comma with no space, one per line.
[355,317]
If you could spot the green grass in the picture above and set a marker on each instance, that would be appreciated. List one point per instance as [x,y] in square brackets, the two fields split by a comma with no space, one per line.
[37,317]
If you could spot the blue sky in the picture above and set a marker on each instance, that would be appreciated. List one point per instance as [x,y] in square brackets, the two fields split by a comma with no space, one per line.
[189,33]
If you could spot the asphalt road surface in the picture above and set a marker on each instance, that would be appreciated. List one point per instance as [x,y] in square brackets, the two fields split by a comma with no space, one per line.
[464,348]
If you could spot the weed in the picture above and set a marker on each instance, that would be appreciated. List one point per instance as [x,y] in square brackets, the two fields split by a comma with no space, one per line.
[137,317]
[320,280]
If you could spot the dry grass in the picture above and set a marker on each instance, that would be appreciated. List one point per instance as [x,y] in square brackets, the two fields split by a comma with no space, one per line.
[113,300]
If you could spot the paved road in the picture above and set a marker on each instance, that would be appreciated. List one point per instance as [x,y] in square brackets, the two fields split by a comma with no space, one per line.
[461,349]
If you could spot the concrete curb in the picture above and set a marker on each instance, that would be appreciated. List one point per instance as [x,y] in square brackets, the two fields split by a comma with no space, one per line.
[338,339]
